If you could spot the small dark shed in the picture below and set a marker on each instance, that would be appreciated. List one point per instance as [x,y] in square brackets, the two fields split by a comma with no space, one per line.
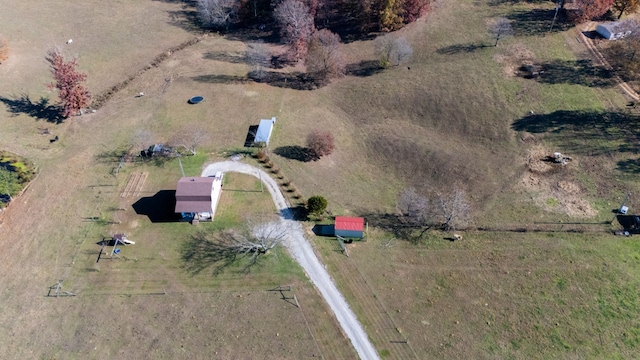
[349,227]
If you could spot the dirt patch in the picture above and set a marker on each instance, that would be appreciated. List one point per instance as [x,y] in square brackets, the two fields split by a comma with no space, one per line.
[568,187]
[535,160]
[552,187]
[514,57]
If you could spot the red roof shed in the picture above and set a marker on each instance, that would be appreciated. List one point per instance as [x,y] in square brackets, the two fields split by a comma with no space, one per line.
[352,227]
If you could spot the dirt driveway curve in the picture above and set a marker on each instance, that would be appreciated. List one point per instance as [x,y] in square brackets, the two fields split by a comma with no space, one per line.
[302,252]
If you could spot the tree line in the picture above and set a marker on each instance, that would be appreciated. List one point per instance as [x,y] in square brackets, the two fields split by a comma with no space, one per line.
[367,15]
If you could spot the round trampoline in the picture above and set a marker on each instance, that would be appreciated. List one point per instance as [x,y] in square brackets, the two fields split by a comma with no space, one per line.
[196,100]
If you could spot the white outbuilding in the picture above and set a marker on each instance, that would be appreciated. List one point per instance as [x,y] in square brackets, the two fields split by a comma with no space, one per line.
[263,134]
[614,30]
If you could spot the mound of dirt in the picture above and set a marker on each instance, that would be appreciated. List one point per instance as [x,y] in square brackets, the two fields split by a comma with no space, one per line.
[550,193]
[535,160]
[578,208]
[569,187]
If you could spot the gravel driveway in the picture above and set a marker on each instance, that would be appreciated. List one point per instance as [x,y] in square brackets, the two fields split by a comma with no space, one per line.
[301,251]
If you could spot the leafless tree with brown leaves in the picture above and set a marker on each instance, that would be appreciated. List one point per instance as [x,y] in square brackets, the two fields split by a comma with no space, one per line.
[73,95]
[320,143]
[325,59]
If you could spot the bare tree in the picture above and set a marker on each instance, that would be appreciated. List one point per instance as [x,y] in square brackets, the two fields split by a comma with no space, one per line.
[216,13]
[4,49]
[401,51]
[324,58]
[258,56]
[500,28]
[454,210]
[142,139]
[415,214]
[413,207]
[392,50]
[296,25]
[190,138]
[223,248]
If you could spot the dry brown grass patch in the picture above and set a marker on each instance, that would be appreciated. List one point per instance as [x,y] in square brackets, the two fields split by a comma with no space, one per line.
[552,186]
[515,56]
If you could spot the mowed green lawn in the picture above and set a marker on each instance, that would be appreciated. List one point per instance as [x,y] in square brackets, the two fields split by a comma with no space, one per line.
[447,116]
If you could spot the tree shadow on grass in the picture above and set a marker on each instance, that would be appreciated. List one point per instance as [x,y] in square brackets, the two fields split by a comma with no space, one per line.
[391,223]
[226,57]
[578,72]
[588,132]
[203,251]
[293,80]
[297,213]
[186,18]
[294,153]
[40,110]
[461,48]
[221,79]
[537,22]
[290,80]
[364,68]
[631,166]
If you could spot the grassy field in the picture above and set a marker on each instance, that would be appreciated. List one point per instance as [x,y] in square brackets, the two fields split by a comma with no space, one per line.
[495,295]
[455,114]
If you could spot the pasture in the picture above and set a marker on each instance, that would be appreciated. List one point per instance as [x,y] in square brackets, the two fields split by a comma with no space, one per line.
[456,113]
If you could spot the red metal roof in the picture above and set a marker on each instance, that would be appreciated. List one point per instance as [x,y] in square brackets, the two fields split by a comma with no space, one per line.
[349,223]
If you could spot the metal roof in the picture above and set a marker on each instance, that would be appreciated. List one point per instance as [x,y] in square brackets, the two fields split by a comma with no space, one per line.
[264,130]
[349,223]
[193,194]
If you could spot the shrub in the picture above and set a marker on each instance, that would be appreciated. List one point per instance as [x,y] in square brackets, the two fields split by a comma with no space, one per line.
[261,155]
[10,182]
[320,143]
[316,204]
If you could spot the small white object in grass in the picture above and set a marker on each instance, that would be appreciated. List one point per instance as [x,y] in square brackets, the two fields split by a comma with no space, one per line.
[69,41]
[141,94]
